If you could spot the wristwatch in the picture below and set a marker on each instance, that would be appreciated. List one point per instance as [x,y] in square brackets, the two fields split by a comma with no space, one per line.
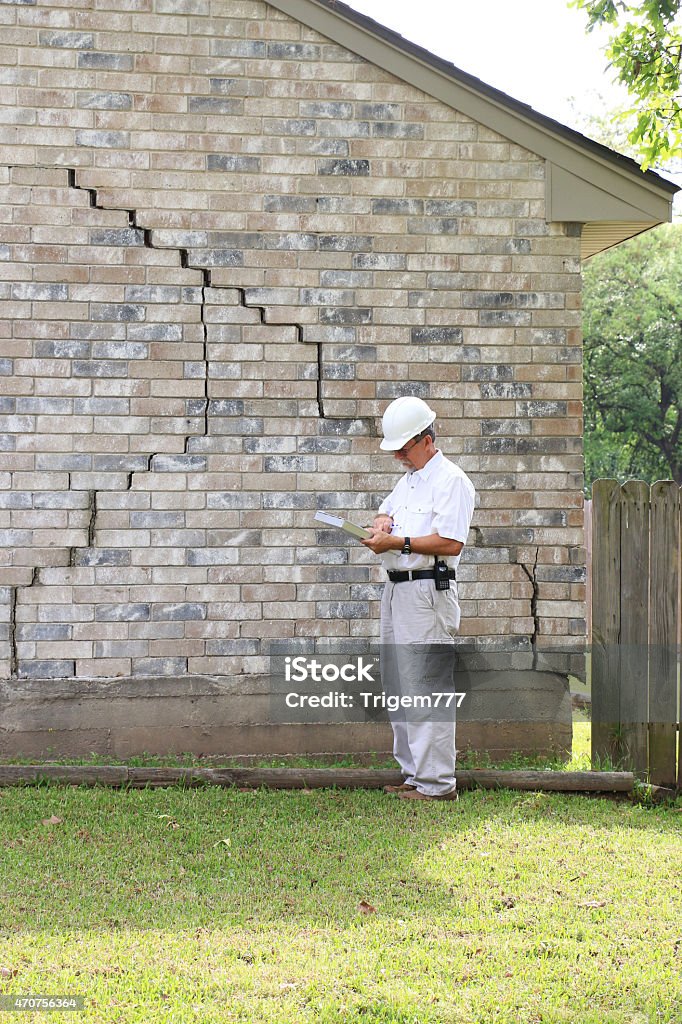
[406,548]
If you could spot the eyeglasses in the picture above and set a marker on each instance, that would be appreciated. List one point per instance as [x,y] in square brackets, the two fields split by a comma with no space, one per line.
[408,447]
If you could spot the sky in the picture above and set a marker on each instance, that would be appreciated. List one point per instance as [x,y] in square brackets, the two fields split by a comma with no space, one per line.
[535,50]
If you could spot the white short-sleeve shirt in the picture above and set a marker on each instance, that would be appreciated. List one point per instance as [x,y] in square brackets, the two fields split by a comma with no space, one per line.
[439,498]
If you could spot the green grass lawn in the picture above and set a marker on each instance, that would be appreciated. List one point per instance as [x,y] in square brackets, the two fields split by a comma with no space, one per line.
[218,905]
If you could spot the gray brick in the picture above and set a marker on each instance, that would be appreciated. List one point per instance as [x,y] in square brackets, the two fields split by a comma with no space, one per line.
[28,631]
[35,292]
[548,336]
[488,372]
[379,111]
[212,556]
[157,520]
[171,667]
[119,463]
[155,332]
[215,105]
[351,168]
[62,349]
[346,279]
[235,426]
[507,427]
[560,573]
[233,499]
[47,669]
[504,536]
[122,612]
[317,108]
[342,609]
[397,207]
[290,464]
[16,499]
[289,499]
[550,409]
[380,261]
[52,463]
[503,318]
[345,243]
[540,517]
[178,464]
[354,428]
[99,368]
[6,367]
[237,239]
[269,445]
[67,40]
[226,407]
[102,556]
[450,208]
[238,48]
[326,297]
[8,405]
[290,204]
[436,335]
[184,612]
[236,87]
[104,100]
[548,445]
[506,390]
[345,500]
[116,236]
[396,389]
[232,648]
[298,126]
[234,538]
[103,140]
[117,312]
[343,574]
[432,226]
[322,556]
[337,371]
[216,258]
[293,51]
[120,349]
[344,315]
[366,591]
[106,61]
[397,130]
[296,242]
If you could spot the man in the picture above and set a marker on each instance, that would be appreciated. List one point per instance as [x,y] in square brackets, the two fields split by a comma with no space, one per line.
[424,521]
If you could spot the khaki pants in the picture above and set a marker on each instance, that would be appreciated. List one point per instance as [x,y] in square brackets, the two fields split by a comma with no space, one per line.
[415,615]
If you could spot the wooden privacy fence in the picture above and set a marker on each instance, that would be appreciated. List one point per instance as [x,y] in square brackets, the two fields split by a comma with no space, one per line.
[635,574]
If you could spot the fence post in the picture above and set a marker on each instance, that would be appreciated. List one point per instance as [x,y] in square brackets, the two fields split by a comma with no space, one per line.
[606,513]
[663,616]
[634,623]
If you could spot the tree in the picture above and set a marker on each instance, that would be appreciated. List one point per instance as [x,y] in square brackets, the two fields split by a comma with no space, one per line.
[633,358]
[645,49]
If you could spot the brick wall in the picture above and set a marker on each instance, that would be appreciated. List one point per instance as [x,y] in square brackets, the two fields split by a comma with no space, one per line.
[226,244]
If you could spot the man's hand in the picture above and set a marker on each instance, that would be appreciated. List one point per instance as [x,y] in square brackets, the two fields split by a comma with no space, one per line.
[383,523]
[381,541]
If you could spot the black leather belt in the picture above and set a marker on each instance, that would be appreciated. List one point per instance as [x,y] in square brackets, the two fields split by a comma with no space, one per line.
[402,576]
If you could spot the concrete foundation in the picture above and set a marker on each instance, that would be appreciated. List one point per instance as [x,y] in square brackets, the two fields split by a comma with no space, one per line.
[504,713]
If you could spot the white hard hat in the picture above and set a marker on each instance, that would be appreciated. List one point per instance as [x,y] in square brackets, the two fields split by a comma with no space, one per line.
[404,418]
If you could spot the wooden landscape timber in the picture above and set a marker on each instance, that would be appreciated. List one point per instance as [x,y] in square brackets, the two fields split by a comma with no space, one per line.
[122,776]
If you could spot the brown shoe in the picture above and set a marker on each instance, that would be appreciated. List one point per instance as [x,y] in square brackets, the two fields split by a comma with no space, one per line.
[416,795]
[402,788]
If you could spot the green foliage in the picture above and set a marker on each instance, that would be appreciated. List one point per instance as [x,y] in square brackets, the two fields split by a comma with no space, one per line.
[645,50]
[633,359]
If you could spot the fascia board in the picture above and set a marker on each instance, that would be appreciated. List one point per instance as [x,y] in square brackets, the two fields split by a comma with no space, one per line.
[486,110]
